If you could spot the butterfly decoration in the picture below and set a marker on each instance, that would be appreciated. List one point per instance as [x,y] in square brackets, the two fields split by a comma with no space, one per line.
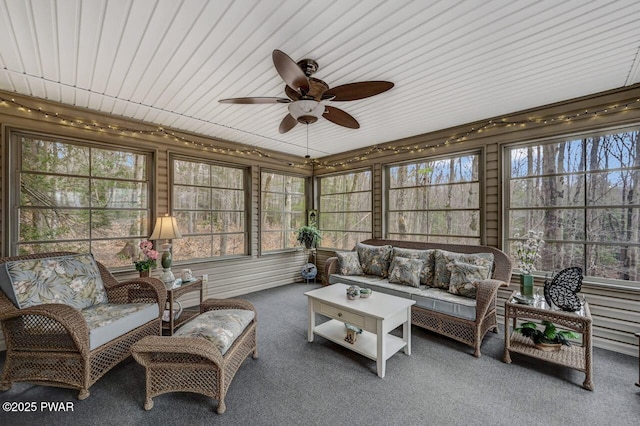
[563,290]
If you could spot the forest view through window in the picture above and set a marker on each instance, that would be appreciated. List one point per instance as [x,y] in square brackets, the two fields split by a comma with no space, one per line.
[435,200]
[345,209]
[209,203]
[74,197]
[283,210]
[583,194]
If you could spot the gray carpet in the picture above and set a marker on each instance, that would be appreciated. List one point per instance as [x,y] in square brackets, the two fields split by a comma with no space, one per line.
[294,382]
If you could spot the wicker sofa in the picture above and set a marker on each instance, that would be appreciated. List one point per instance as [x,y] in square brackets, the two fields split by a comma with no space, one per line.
[461,318]
[67,321]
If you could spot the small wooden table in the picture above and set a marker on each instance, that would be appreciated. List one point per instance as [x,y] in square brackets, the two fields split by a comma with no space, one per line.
[173,295]
[377,315]
[574,356]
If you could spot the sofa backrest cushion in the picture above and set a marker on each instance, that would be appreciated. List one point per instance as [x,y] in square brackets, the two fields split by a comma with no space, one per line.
[502,264]
[406,271]
[72,280]
[443,258]
[348,263]
[465,276]
[426,275]
[374,259]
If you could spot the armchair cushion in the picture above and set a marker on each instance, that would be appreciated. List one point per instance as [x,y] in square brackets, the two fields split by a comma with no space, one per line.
[374,259]
[220,327]
[72,280]
[109,321]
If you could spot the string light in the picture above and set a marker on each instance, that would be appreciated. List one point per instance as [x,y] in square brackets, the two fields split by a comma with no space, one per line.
[375,149]
[490,124]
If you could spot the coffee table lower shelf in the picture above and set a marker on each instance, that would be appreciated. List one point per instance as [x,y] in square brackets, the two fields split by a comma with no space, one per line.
[366,344]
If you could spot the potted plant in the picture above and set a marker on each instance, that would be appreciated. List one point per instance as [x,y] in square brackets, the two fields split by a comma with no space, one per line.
[551,339]
[146,258]
[308,236]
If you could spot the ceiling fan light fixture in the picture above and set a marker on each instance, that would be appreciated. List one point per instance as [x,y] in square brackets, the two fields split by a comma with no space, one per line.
[306,111]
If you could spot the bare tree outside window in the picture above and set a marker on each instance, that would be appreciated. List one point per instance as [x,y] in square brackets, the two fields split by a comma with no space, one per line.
[345,209]
[283,210]
[82,198]
[209,203]
[584,195]
[434,200]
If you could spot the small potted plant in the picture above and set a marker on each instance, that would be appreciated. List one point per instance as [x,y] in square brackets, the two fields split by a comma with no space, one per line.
[308,236]
[146,258]
[551,339]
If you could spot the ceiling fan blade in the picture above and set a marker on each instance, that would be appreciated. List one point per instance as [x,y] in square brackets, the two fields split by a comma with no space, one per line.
[355,91]
[255,101]
[339,117]
[290,72]
[287,123]
[292,94]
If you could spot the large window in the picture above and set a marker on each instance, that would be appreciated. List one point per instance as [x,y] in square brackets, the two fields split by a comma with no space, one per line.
[283,210]
[436,200]
[345,209]
[584,195]
[209,202]
[76,197]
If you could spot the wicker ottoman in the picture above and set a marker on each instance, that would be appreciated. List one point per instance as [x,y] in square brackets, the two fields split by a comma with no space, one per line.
[195,364]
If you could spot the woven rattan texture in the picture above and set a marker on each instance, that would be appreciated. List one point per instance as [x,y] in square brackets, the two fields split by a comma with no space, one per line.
[468,332]
[49,344]
[190,364]
[578,357]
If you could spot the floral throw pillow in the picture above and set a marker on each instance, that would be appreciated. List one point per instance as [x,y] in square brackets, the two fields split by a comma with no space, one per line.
[465,277]
[348,263]
[374,259]
[406,271]
[426,275]
[443,258]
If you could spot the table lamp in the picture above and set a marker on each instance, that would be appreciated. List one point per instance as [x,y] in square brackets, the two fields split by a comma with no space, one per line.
[166,229]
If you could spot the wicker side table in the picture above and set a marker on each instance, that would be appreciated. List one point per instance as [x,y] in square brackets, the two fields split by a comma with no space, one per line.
[173,295]
[576,357]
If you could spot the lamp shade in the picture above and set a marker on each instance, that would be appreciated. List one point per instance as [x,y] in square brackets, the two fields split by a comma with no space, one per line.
[166,229]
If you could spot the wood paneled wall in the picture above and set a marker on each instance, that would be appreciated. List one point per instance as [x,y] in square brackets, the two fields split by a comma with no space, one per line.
[227,277]
[616,312]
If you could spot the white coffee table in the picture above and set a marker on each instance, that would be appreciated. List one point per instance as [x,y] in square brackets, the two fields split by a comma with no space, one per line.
[377,315]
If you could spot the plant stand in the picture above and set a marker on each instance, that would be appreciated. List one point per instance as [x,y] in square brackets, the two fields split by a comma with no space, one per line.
[576,357]
[310,257]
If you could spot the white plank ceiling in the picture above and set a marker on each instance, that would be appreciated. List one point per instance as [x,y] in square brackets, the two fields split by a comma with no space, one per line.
[168,62]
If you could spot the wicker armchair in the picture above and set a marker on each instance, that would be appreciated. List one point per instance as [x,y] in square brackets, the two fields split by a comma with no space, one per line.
[469,332]
[194,364]
[48,344]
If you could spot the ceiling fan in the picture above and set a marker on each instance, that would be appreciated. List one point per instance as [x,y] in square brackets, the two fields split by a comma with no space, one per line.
[306,95]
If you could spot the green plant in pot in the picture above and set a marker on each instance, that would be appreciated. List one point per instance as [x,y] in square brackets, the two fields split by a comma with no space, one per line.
[308,236]
[549,339]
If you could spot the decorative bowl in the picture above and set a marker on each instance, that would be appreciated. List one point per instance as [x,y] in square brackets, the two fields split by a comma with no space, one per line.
[365,292]
[353,292]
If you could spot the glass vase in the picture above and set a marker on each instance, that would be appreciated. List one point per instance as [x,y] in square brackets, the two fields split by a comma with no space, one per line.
[526,285]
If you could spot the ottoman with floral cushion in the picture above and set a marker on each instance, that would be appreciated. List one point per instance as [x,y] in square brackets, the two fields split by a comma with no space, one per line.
[203,355]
